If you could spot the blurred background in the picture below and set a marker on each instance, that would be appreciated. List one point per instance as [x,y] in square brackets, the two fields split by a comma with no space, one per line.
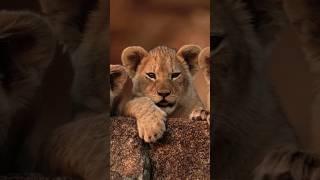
[51,106]
[142,22]
[292,80]
[150,23]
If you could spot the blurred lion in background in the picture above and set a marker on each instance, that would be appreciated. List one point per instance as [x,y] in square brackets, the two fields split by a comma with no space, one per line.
[253,138]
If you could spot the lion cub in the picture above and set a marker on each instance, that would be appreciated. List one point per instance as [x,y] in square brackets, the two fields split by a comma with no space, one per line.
[204,64]
[118,77]
[162,86]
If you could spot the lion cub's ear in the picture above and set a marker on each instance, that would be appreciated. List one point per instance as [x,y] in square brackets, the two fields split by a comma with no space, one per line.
[131,58]
[189,53]
[204,62]
[118,77]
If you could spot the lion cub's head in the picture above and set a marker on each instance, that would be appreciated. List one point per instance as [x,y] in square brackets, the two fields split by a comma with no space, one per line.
[162,74]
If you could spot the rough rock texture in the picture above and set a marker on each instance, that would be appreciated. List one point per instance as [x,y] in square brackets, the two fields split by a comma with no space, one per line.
[183,152]
[127,155]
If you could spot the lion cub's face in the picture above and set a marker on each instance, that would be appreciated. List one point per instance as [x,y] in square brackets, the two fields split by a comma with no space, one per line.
[162,74]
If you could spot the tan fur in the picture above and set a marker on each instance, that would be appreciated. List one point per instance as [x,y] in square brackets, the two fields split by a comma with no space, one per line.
[253,139]
[79,148]
[118,78]
[26,49]
[147,104]
[204,64]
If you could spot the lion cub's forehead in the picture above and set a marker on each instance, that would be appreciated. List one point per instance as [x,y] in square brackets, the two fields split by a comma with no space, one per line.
[163,51]
[163,59]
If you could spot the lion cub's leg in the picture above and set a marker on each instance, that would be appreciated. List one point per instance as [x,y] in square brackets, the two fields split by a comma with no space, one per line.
[150,118]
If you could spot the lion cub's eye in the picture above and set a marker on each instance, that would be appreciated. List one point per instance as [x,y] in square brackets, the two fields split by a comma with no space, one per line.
[175,75]
[216,40]
[151,75]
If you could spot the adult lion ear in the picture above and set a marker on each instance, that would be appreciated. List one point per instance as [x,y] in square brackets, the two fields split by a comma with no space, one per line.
[204,62]
[118,77]
[27,47]
[131,58]
[69,19]
[189,53]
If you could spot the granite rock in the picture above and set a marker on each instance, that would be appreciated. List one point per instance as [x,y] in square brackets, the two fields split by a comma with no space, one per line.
[128,152]
[183,152]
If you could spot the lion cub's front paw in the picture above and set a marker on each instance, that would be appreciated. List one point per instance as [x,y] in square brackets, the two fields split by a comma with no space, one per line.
[152,125]
[200,114]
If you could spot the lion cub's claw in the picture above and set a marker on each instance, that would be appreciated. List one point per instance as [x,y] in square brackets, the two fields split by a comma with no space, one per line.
[200,115]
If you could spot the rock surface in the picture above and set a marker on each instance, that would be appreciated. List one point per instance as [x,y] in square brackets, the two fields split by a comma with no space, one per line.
[182,153]
[127,155]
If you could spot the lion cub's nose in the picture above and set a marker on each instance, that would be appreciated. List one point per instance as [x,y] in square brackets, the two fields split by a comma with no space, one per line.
[164,93]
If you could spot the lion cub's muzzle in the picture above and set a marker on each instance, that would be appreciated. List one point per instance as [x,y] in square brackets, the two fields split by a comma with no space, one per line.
[166,100]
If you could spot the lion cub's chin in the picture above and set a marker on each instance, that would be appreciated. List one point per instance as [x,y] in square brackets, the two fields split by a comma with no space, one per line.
[166,106]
